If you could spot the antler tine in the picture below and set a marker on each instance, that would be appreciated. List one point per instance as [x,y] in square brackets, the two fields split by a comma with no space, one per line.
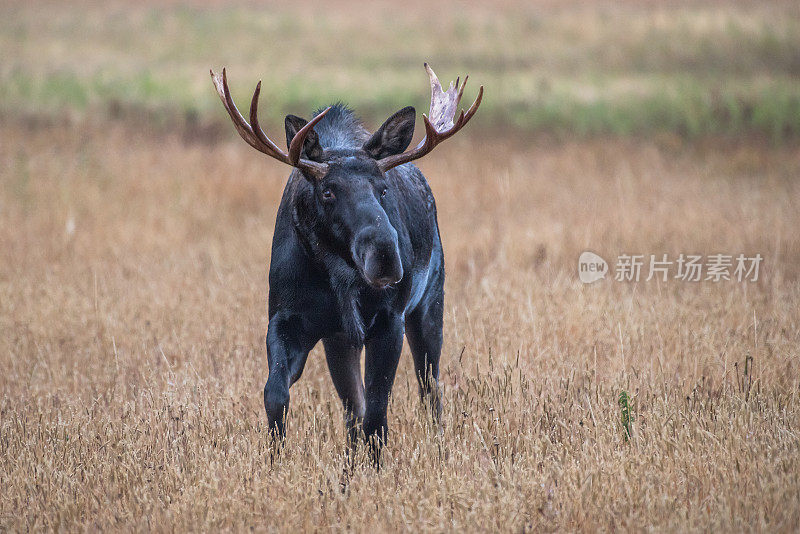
[296,146]
[255,136]
[475,105]
[461,91]
[439,124]
[276,152]
[221,85]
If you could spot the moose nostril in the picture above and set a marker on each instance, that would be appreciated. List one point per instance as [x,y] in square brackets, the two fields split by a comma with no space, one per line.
[382,269]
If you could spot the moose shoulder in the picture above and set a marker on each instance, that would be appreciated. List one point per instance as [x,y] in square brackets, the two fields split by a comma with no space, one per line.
[357,259]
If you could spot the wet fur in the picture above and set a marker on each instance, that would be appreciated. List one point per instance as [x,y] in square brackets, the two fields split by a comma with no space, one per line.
[317,292]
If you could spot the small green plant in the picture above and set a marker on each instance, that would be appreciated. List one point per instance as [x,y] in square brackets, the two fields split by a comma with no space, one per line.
[624,402]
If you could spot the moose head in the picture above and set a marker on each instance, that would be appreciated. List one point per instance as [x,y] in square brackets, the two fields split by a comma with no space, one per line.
[351,196]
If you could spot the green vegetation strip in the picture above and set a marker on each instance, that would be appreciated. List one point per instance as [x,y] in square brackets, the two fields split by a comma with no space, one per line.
[730,70]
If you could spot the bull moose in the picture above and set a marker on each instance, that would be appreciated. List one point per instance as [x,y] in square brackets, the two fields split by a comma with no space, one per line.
[357,258]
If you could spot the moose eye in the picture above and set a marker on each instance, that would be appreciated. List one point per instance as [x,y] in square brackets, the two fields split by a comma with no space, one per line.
[328,195]
[383,193]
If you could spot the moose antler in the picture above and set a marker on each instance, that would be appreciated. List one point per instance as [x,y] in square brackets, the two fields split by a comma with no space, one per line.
[440,125]
[255,136]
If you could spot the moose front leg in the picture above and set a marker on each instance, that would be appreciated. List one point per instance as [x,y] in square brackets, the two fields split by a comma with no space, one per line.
[344,364]
[383,346]
[287,352]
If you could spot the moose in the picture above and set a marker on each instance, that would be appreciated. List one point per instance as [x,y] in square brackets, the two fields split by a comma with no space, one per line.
[357,259]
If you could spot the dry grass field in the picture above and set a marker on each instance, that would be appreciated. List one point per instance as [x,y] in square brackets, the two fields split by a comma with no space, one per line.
[133,307]
[132,311]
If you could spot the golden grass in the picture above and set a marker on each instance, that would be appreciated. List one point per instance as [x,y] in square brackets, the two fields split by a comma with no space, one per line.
[132,312]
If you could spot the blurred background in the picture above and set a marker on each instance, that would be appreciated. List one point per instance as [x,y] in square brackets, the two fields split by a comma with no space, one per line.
[572,69]
[135,233]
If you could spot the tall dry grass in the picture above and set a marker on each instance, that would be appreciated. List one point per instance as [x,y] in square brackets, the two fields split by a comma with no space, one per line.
[132,312]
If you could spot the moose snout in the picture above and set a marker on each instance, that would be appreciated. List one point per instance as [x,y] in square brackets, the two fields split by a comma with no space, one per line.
[378,255]
[382,267]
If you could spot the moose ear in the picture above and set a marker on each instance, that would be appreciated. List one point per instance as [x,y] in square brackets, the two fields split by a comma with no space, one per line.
[394,135]
[311,148]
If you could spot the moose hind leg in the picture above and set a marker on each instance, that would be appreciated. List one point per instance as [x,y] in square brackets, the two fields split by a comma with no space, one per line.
[344,364]
[424,335]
